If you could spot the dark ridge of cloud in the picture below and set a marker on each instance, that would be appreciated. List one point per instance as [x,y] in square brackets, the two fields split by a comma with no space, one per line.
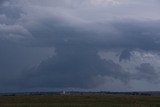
[129,35]
[138,35]
[74,67]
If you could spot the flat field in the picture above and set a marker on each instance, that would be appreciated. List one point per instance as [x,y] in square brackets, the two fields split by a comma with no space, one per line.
[80,101]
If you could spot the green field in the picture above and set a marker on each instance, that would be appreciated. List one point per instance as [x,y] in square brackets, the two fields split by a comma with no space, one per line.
[80,101]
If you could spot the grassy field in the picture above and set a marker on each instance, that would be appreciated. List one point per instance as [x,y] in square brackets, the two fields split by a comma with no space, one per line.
[80,101]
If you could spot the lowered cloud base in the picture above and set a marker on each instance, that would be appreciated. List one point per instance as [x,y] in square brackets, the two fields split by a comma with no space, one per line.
[79,44]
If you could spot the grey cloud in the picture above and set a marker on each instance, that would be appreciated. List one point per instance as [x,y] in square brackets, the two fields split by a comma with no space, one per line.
[2,1]
[134,35]
[125,55]
[147,71]
[11,11]
[129,35]
[15,58]
[74,67]
[76,62]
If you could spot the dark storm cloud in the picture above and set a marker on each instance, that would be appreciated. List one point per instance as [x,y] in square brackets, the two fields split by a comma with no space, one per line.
[75,68]
[16,58]
[125,55]
[129,35]
[10,15]
[2,1]
[10,12]
[147,71]
[75,62]
[142,35]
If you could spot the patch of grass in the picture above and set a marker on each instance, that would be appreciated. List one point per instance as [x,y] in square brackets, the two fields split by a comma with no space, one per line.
[80,101]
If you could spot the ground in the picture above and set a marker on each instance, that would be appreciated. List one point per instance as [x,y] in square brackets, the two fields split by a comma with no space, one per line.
[80,101]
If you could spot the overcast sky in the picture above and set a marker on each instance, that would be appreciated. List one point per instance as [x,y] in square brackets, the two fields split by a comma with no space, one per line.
[110,45]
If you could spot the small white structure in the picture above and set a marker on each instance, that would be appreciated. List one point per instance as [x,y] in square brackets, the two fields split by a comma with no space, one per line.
[63,92]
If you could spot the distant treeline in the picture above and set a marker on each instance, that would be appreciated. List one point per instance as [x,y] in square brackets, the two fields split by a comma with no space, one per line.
[153,93]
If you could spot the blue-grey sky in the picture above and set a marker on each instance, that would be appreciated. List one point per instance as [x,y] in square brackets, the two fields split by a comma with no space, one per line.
[111,45]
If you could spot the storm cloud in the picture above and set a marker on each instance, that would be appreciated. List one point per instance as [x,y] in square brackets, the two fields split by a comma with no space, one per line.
[147,71]
[78,44]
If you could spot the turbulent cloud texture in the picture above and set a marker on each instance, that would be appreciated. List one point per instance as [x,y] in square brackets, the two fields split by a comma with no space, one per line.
[83,44]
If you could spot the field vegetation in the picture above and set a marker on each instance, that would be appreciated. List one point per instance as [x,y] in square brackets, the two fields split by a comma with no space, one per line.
[80,101]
